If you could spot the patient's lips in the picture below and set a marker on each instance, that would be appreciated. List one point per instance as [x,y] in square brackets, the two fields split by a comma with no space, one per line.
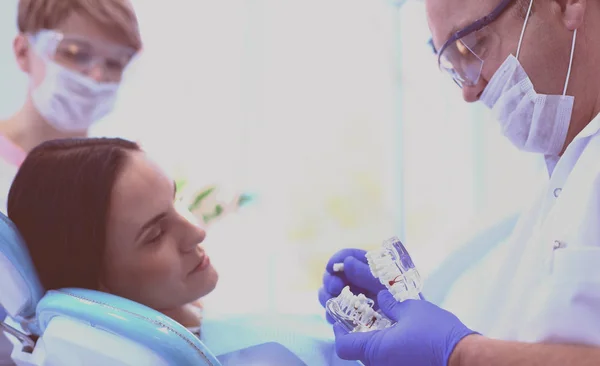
[202,264]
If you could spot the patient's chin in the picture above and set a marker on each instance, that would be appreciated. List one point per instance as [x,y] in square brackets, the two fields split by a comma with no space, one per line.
[210,281]
[213,283]
[203,285]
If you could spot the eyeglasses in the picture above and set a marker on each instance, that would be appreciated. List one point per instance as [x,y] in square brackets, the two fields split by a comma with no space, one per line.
[82,54]
[462,55]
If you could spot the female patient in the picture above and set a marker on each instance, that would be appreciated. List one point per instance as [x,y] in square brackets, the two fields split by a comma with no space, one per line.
[98,214]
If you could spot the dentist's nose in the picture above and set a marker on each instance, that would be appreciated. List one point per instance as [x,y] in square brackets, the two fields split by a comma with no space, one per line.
[97,73]
[473,92]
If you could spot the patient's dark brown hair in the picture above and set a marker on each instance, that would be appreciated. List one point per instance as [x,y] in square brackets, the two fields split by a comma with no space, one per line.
[59,201]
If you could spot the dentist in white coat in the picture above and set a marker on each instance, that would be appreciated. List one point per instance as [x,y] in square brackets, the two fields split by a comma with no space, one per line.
[535,64]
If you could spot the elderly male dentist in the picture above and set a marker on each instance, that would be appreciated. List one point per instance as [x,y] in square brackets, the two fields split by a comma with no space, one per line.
[536,65]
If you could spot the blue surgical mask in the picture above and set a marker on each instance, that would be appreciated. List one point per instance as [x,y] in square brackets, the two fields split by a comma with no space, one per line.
[70,101]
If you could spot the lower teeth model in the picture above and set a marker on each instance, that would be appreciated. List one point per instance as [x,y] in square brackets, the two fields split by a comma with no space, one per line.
[355,312]
[394,268]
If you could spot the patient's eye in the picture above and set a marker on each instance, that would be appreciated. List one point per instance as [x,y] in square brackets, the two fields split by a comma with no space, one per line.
[154,235]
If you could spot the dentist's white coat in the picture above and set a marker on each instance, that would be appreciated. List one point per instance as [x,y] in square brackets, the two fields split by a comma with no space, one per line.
[543,283]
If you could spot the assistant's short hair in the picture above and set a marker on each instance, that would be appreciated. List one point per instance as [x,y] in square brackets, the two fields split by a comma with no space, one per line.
[114,15]
[59,201]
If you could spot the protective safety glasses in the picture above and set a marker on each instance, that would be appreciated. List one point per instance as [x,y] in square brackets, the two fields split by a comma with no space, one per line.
[463,54]
[82,54]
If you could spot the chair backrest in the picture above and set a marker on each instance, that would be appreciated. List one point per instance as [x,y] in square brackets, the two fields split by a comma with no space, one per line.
[20,289]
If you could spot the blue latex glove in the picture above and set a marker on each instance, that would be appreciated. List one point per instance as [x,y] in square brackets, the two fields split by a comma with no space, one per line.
[424,335]
[356,274]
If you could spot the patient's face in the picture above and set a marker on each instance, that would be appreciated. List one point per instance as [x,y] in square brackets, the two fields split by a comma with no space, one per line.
[153,254]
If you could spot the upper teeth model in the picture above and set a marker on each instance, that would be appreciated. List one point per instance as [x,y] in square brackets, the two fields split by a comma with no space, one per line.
[395,269]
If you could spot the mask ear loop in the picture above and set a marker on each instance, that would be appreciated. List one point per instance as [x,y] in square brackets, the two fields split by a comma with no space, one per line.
[570,62]
[572,46]
[523,29]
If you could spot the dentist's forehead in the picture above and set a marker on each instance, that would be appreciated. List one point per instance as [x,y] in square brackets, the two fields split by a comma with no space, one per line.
[446,17]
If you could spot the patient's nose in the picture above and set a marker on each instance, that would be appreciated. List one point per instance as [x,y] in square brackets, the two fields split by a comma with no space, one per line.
[195,235]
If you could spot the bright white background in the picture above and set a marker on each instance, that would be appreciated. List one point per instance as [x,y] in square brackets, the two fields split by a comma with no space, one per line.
[333,112]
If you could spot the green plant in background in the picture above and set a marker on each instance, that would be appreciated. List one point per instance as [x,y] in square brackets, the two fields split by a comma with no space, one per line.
[200,197]
[204,203]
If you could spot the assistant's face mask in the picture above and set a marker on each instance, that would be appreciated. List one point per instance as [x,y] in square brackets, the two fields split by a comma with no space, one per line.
[70,101]
[531,121]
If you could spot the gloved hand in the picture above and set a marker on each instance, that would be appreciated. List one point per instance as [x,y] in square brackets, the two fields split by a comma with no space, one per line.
[424,335]
[356,274]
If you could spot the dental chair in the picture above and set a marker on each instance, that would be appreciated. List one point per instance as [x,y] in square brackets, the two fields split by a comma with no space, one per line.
[74,326]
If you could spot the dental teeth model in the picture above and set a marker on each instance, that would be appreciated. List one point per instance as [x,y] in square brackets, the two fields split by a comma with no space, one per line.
[355,312]
[395,269]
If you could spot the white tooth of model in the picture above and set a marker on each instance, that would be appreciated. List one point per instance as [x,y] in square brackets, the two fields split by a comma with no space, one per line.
[338,267]
[355,312]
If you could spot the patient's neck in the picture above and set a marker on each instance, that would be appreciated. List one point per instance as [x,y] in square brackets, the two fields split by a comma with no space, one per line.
[189,315]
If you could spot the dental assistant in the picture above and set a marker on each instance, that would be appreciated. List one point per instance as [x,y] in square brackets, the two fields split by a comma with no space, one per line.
[535,65]
[75,53]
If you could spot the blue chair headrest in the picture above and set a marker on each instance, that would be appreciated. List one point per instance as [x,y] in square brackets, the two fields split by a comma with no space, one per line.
[128,319]
[20,288]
